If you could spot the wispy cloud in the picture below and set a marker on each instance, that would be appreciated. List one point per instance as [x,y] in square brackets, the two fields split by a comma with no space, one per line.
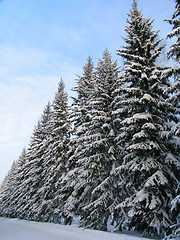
[28,80]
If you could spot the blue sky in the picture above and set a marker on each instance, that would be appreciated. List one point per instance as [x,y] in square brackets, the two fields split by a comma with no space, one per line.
[44,40]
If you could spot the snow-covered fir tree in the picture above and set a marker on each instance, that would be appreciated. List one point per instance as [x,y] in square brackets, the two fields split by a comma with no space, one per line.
[19,178]
[100,146]
[80,106]
[174,90]
[28,189]
[36,160]
[5,194]
[10,187]
[54,159]
[2,186]
[78,117]
[91,195]
[149,171]
[174,51]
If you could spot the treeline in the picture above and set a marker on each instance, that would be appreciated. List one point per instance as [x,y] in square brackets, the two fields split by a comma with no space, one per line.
[113,155]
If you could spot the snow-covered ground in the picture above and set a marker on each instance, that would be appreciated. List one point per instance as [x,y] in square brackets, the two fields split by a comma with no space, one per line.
[15,229]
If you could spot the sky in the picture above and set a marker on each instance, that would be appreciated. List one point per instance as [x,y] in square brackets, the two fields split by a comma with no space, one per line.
[42,41]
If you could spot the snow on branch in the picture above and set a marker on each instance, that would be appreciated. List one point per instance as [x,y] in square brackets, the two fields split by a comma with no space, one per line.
[157,178]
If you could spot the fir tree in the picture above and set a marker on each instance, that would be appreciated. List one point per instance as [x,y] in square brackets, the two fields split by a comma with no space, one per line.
[55,158]
[10,187]
[36,156]
[3,184]
[79,118]
[91,195]
[27,199]
[5,194]
[80,106]
[174,51]
[100,146]
[19,178]
[148,175]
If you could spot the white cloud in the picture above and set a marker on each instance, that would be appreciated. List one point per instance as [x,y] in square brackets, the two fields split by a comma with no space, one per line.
[28,80]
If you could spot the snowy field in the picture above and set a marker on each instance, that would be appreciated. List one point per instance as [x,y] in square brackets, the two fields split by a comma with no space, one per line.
[14,229]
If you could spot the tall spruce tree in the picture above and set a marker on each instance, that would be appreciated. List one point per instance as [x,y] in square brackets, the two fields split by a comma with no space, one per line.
[26,188]
[2,186]
[149,173]
[10,187]
[5,194]
[80,106]
[174,53]
[100,146]
[92,195]
[18,179]
[36,156]
[27,198]
[79,120]
[54,158]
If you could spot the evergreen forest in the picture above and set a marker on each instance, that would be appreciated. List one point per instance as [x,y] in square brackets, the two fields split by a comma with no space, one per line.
[112,156]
